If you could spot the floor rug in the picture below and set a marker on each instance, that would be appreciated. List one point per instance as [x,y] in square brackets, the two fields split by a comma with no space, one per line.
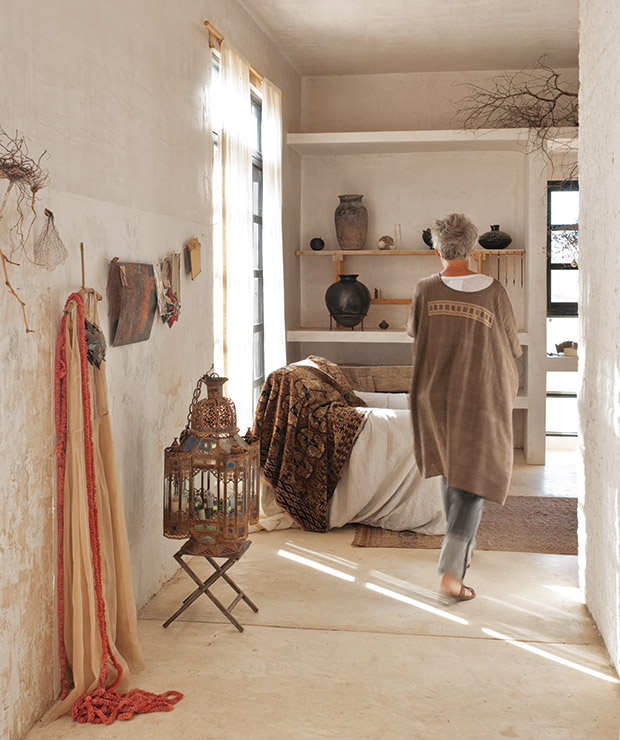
[544,524]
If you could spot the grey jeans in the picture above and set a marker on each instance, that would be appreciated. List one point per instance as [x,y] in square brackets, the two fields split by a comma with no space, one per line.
[463,512]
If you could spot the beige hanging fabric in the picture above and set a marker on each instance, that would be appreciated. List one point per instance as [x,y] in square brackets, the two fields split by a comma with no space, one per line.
[80,608]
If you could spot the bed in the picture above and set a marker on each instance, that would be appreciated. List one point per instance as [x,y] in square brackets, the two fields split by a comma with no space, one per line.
[332,455]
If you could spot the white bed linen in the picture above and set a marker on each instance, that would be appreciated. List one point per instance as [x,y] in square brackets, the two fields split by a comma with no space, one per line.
[381,485]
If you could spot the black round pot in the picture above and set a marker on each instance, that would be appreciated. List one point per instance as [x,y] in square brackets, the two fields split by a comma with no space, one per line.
[494,239]
[347,300]
[427,238]
[317,244]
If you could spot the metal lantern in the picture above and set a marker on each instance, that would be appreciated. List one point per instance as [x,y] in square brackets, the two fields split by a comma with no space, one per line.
[211,475]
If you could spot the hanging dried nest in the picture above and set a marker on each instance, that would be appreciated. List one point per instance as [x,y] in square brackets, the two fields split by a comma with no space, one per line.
[49,250]
[25,178]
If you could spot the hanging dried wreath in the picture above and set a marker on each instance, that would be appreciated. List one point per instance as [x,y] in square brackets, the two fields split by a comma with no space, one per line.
[25,178]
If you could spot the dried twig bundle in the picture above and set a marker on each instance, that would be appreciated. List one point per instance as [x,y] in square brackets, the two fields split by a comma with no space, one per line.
[534,99]
[25,178]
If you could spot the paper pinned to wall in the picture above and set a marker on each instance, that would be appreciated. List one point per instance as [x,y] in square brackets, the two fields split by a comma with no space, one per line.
[192,252]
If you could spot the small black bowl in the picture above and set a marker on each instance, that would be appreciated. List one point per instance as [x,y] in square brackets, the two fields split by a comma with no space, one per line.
[317,244]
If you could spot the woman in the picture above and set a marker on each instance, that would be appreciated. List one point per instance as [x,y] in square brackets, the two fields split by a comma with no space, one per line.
[464,384]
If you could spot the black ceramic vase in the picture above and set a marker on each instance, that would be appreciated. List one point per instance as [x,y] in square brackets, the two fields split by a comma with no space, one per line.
[347,301]
[351,220]
[494,239]
[427,238]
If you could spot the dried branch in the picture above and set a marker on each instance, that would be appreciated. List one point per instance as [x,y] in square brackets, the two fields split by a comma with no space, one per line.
[534,99]
[26,178]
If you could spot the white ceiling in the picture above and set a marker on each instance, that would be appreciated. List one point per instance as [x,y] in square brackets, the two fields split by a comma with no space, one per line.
[344,37]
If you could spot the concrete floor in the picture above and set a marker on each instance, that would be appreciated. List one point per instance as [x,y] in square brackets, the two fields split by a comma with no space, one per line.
[352,643]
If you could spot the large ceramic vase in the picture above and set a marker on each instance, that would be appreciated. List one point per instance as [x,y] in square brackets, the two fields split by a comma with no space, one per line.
[351,218]
[494,239]
[347,301]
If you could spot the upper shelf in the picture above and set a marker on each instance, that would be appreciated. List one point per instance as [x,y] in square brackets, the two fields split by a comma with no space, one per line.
[367,142]
[392,252]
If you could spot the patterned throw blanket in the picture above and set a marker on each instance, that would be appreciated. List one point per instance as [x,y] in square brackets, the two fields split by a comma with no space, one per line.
[307,426]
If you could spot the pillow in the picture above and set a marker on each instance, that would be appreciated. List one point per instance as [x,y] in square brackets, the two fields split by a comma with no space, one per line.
[385,400]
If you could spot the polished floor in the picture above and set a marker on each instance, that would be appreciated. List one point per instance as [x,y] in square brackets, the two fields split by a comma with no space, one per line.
[353,644]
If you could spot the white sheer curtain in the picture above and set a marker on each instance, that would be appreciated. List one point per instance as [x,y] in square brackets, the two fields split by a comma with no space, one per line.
[236,314]
[273,270]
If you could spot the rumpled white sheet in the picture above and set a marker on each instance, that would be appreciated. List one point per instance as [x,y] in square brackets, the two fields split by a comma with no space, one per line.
[381,485]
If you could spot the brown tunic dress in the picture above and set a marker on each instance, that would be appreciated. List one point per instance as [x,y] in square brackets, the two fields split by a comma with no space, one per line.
[465,381]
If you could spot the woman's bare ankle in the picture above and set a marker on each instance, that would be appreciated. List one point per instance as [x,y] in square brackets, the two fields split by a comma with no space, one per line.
[450,585]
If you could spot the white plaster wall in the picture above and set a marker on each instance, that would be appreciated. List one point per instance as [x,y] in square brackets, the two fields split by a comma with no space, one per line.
[411,190]
[599,351]
[118,94]
[390,102]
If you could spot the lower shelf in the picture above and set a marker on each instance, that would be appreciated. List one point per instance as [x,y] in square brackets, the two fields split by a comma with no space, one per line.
[386,336]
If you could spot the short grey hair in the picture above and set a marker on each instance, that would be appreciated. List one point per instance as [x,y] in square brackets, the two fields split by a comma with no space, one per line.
[455,236]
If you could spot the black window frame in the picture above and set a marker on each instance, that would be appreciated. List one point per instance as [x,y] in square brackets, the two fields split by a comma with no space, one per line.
[257,228]
[555,308]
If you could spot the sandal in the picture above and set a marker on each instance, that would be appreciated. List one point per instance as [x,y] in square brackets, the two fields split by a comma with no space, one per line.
[466,593]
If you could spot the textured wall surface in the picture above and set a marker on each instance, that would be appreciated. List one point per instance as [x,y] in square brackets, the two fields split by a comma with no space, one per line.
[391,102]
[118,94]
[599,404]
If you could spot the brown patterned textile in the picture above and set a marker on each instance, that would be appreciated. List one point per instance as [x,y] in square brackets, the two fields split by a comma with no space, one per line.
[307,425]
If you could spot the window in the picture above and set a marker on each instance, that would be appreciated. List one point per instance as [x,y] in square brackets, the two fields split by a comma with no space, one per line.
[562,302]
[257,230]
[562,248]
[258,354]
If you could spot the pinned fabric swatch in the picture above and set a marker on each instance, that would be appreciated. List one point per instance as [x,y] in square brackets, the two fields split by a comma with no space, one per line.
[132,299]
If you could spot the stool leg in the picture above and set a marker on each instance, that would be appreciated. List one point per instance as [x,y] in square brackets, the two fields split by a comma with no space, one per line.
[204,586]
[234,586]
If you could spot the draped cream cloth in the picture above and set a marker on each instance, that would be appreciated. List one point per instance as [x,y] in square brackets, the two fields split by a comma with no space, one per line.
[81,635]
[237,244]
[273,268]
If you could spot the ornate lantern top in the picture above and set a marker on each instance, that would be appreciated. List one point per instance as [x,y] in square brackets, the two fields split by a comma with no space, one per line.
[214,416]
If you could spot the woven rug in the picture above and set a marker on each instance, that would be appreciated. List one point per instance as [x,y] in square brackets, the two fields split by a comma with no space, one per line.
[524,524]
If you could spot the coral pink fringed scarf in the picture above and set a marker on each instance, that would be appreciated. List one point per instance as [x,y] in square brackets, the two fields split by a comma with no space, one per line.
[96,609]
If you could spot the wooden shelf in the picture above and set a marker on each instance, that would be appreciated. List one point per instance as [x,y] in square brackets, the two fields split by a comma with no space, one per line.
[379,142]
[390,301]
[394,252]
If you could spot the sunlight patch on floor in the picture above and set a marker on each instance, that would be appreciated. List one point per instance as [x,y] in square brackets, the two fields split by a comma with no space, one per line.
[317,566]
[414,602]
[549,656]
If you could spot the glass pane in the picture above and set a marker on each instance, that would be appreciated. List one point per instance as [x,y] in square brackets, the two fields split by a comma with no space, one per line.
[565,246]
[561,330]
[258,300]
[257,191]
[259,365]
[256,119]
[564,207]
[258,246]
[562,382]
[257,390]
[565,286]
[562,415]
